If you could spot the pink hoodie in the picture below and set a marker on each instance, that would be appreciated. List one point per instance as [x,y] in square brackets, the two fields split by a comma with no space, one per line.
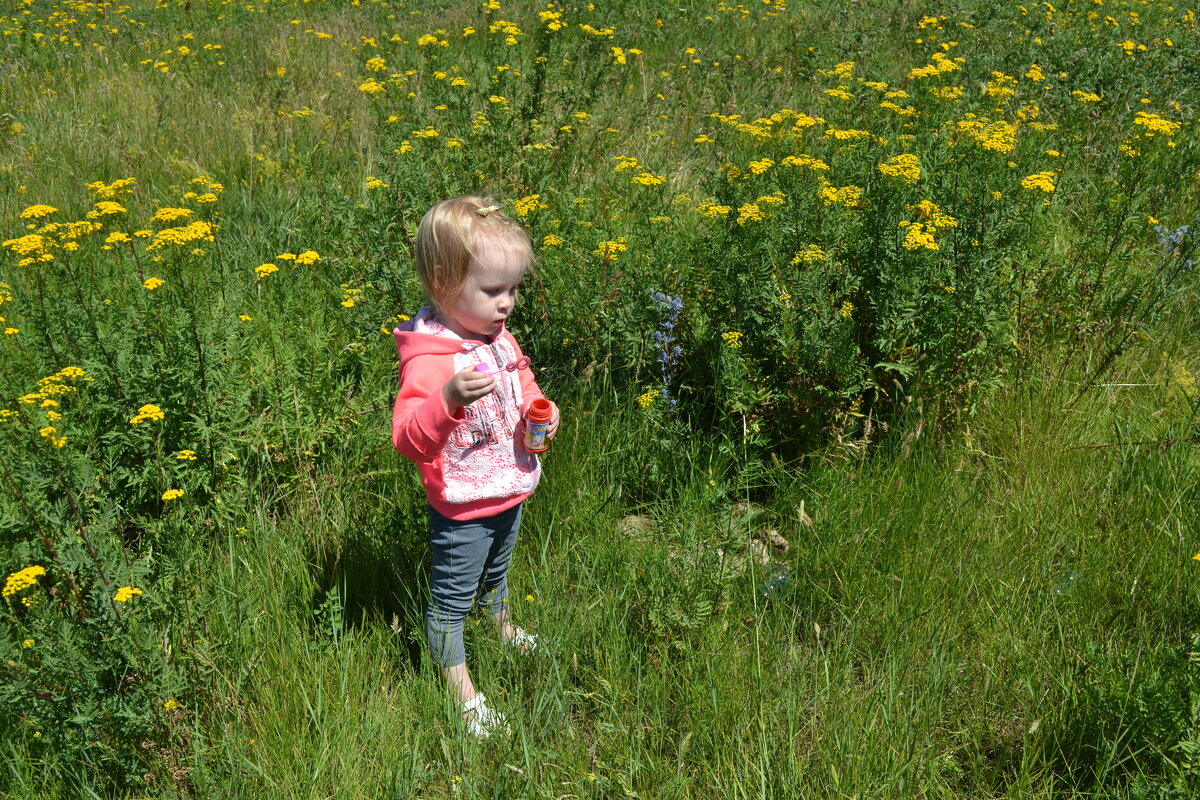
[473,463]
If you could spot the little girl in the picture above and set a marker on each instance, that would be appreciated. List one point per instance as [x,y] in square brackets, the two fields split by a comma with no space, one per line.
[464,390]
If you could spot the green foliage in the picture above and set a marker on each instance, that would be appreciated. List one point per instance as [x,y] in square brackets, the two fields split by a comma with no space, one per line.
[680,582]
[86,680]
[1137,720]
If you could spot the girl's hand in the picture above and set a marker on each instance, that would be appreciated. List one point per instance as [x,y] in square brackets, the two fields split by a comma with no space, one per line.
[552,428]
[465,388]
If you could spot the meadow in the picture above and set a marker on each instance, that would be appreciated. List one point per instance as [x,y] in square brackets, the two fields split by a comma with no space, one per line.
[874,332]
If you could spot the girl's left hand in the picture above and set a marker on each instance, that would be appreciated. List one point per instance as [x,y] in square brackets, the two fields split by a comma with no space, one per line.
[552,428]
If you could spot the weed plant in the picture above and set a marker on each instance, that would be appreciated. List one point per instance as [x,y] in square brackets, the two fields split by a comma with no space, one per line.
[874,335]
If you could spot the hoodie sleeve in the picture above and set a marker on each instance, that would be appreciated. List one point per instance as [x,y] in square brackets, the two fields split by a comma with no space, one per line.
[530,391]
[421,425]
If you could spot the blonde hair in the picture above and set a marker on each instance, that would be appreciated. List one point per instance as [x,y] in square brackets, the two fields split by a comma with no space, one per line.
[450,236]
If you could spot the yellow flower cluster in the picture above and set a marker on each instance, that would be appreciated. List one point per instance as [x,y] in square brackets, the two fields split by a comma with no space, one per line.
[553,20]
[48,432]
[906,167]
[34,248]
[1000,86]
[153,283]
[72,230]
[847,309]
[527,205]
[371,87]
[213,187]
[847,134]
[126,593]
[1156,124]
[22,580]
[761,166]
[933,214]
[903,111]
[601,32]
[754,212]
[303,260]
[552,240]
[762,128]
[624,163]
[647,398]
[106,207]
[110,191]
[263,270]
[940,66]
[647,179]
[849,197]
[815,164]
[843,69]
[732,338]
[508,29]
[920,235]
[811,254]
[750,212]
[198,231]
[710,209]
[171,214]
[1039,180]
[147,412]
[6,297]
[172,494]
[997,136]
[375,183]
[49,387]
[38,212]
[947,92]
[1085,97]
[608,250]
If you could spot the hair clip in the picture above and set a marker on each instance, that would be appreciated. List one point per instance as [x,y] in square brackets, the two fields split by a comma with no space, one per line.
[521,363]
[483,212]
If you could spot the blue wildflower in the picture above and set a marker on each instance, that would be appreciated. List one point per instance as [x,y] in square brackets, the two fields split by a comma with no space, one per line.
[669,353]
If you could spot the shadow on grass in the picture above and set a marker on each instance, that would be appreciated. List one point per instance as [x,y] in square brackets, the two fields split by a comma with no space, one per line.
[376,578]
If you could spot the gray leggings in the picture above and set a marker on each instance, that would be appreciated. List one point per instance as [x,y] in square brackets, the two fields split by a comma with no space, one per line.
[470,562]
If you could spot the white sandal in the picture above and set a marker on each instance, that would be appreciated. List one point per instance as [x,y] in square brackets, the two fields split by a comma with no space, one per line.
[482,721]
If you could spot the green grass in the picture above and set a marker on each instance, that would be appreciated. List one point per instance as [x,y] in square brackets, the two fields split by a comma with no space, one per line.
[921,648]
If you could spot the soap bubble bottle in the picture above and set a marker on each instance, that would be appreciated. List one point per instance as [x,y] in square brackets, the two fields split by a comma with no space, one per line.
[537,420]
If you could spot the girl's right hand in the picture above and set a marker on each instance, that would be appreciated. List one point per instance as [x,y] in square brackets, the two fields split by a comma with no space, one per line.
[465,388]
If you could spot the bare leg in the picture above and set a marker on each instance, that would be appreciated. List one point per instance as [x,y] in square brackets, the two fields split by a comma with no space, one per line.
[506,628]
[458,683]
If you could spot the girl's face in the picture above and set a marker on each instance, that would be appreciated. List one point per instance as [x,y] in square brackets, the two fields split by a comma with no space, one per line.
[488,296]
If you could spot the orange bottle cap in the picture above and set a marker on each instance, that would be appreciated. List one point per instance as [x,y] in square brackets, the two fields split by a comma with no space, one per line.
[540,411]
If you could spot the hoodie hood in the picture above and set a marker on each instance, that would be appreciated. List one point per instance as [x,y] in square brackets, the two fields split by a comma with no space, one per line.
[424,335]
